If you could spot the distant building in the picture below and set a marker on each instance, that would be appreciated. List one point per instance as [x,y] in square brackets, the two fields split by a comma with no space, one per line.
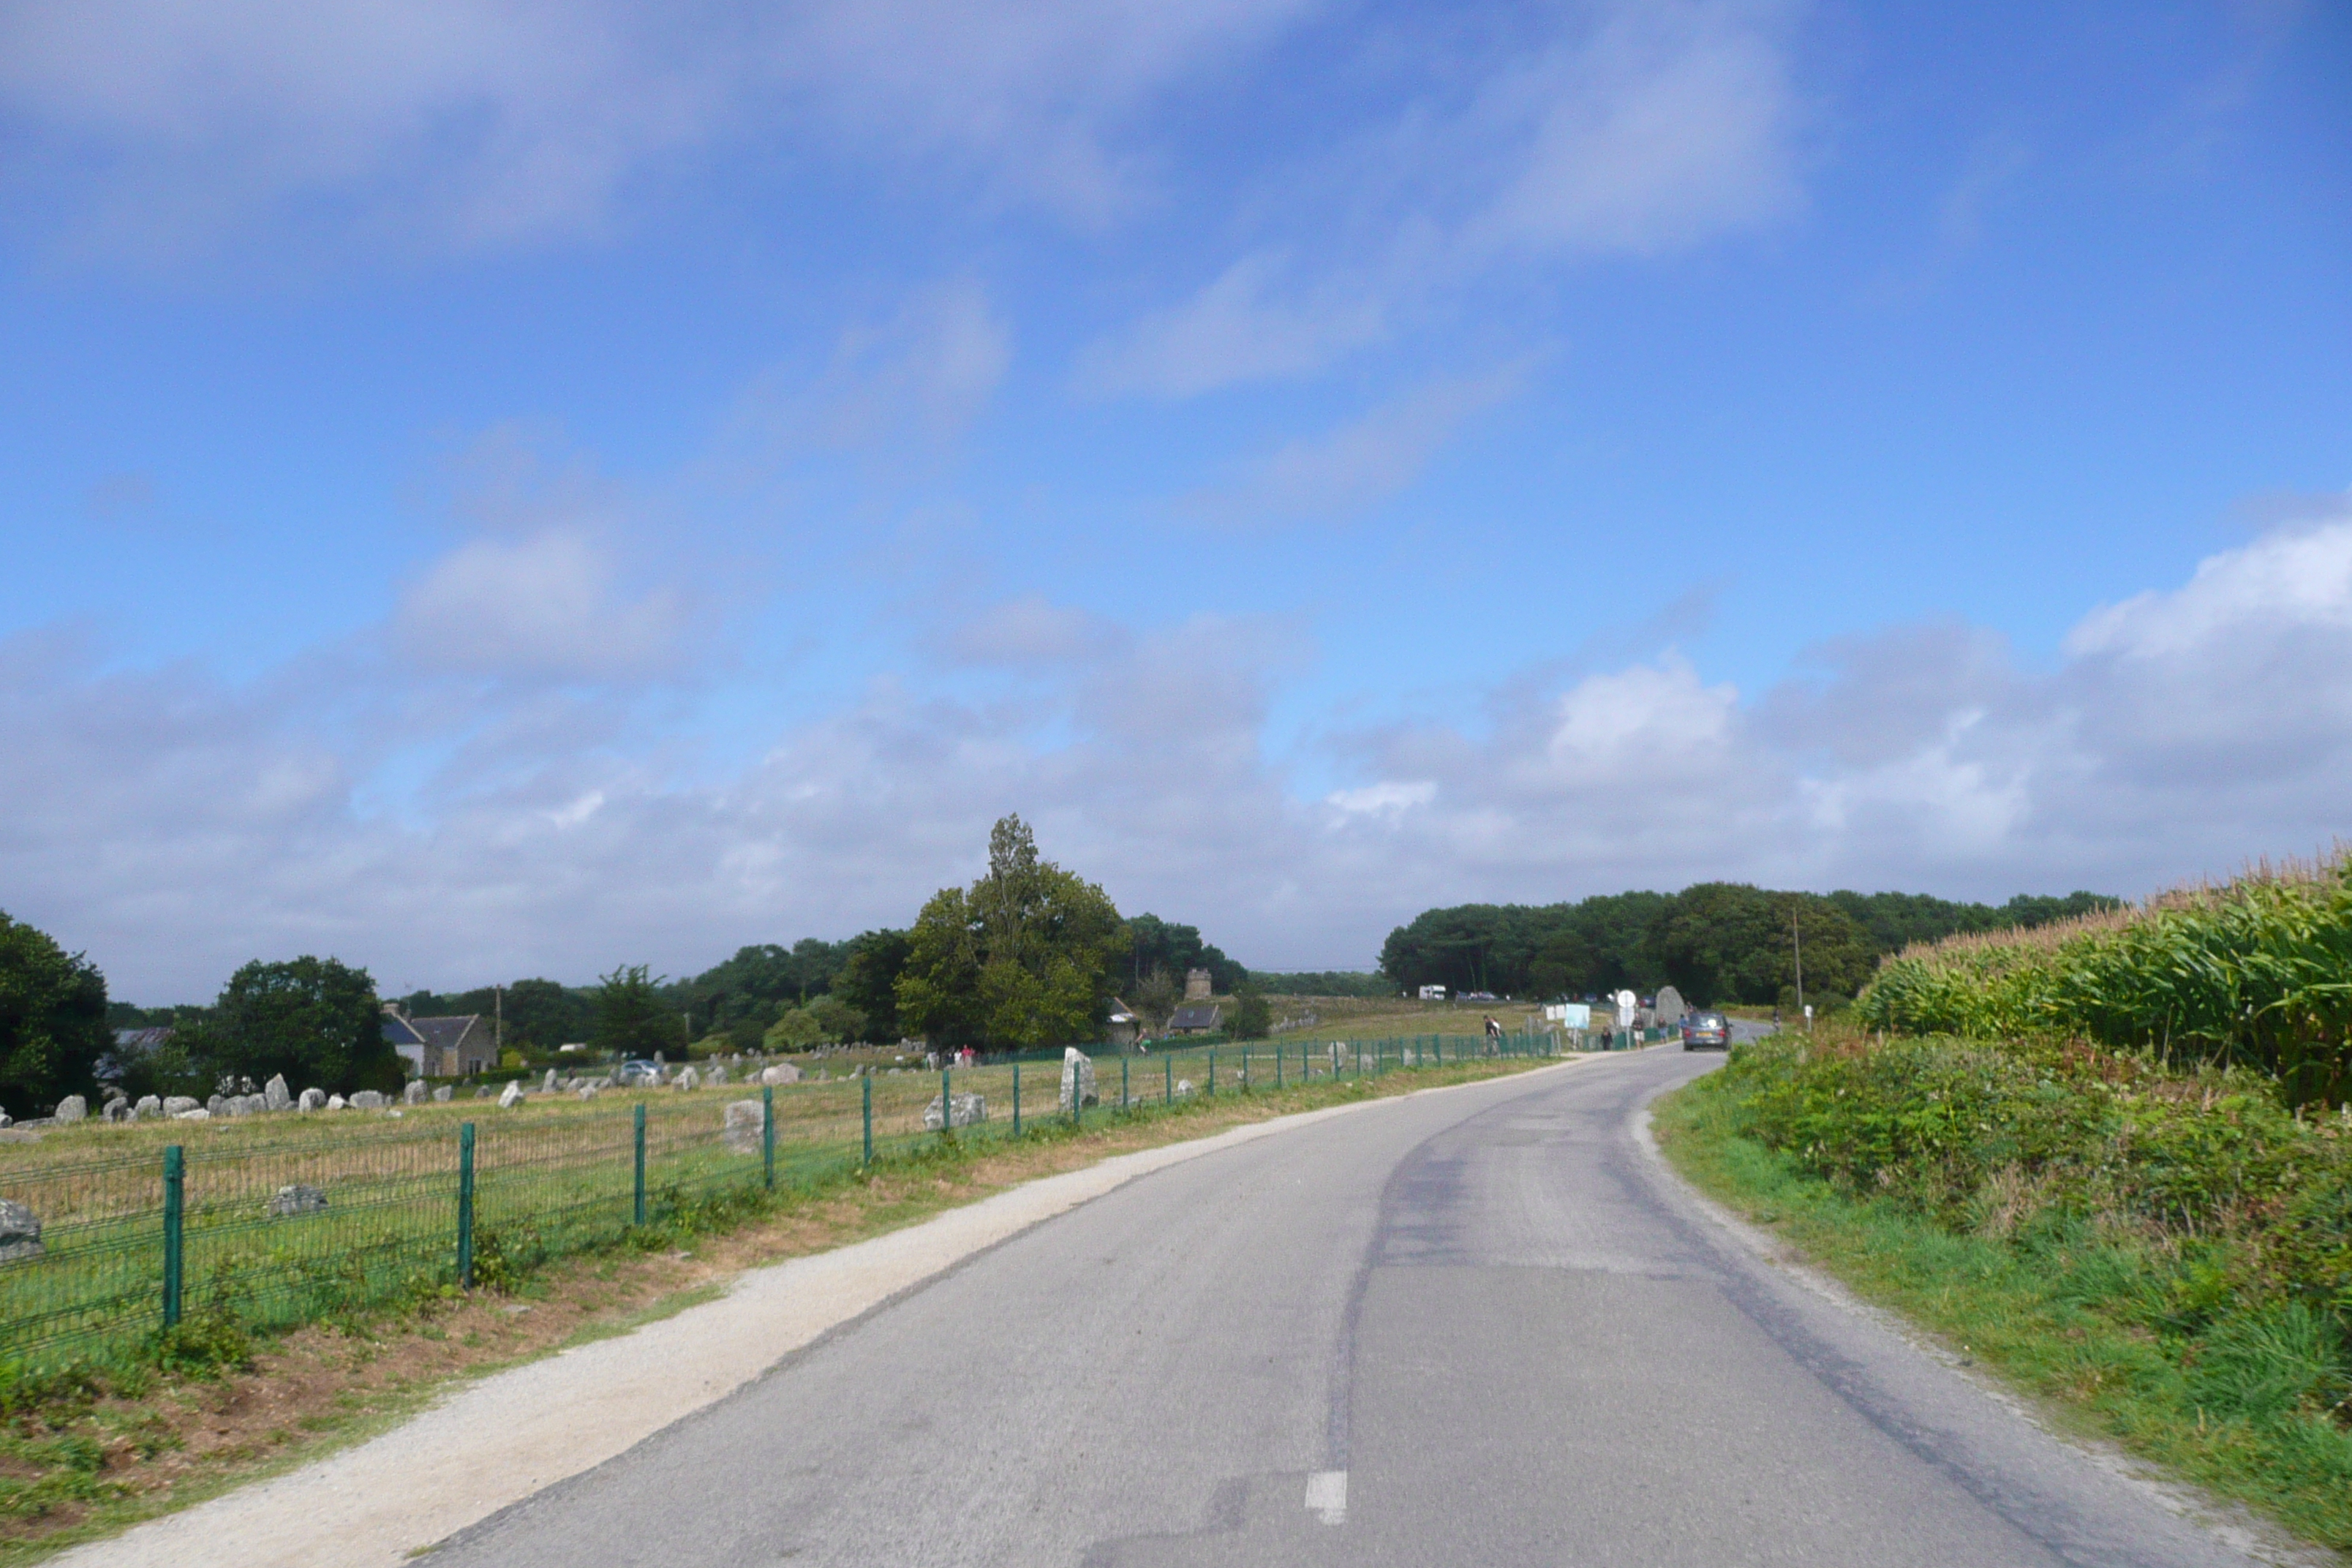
[1126,1027]
[441,1048]
[1197,985]
[1432,993]
[1194,1019]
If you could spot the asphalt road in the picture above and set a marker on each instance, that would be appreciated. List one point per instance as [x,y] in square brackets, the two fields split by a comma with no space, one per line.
[1481,1326]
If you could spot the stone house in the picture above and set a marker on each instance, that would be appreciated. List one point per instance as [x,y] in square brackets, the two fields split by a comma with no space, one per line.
[442,1047]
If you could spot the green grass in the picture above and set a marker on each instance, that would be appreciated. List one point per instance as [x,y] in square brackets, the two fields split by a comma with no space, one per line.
[2062,1309]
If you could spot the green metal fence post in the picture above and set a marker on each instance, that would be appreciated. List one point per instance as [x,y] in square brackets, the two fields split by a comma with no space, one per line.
[866,1079]
[1277,1066]
[947,1105]
[639,1210]
[1213,1069]
[768,1136]
[464,1205]
[1016,1099]
[174,1179]
[1123,1059]
[1169,1064]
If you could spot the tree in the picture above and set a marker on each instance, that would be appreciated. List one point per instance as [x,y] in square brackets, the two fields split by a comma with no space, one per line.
[1157,996]
[1020,959]
[1252,1019]
[1152,942]
[1728,941]
[52,1019]
[314,1020]
[868,979]
[631,1019]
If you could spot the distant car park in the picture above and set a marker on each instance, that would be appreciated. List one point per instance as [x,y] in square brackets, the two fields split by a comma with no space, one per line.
[637,1075]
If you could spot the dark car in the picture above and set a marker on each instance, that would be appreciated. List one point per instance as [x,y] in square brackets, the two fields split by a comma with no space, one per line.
[1706,1029]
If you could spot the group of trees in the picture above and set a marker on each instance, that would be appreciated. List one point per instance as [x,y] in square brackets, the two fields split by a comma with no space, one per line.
[1714,942]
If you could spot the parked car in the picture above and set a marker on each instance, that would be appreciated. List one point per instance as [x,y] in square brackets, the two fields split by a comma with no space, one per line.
[1706,1029]
[635,1075]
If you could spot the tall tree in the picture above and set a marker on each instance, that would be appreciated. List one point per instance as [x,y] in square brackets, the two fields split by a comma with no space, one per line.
[1021,958]
[631,1018]
[315,1020]
[53,1025]
[869,980]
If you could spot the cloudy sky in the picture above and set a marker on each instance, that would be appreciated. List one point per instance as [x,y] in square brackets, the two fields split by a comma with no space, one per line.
[498,487]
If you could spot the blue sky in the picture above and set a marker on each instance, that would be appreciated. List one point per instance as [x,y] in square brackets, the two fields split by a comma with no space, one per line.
[490,487]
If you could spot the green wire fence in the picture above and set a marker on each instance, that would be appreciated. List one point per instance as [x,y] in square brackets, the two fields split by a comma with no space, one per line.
[283,1220]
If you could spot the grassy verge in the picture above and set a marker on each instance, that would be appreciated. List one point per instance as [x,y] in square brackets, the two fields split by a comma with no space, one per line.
[84,1454]
[2168,1333]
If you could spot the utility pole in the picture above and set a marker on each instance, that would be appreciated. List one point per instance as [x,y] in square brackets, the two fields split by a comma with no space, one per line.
[499,1020]
[1797,935]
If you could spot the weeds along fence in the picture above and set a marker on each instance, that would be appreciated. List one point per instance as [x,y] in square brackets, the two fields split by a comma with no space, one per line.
[2257,973]
[272,1223]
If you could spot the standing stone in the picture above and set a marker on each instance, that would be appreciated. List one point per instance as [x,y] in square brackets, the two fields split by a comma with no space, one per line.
[368,1100]
[441,1096]
[512,1098]
[178,1105]
[688,1079]
[274,1094]
[312,1099]
[745,1118]
[241,1104]
[967,1110]
[117,1111]
[217,1104]
[717,1075]
[548,1087]
[148,1106]
[586,1091]
[20,1232]
[783,1072]
[1077,1079]
[415,1093]
[296,1198]
[660,1061]
[72,1108]
[1184,1087]
[199,1114]
[336,1102]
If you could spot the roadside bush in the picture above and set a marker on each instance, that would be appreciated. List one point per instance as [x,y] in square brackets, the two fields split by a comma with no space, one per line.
[2190,1204]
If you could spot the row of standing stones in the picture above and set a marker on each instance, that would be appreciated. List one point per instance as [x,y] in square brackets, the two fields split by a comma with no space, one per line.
[20,1228]
[744,1121]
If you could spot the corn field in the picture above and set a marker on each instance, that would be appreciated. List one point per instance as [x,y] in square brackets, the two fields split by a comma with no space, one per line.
[2255,973]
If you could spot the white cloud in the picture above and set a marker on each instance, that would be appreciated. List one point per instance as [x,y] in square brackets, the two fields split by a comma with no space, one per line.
[1661,126]
[468,123]
[545,606]
[1366,460]
[175,827]
[1235,330]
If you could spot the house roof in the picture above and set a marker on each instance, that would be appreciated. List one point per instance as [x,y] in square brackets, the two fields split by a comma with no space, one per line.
[141,1039]
[445,1031]
[398,1031]
[1197,1016]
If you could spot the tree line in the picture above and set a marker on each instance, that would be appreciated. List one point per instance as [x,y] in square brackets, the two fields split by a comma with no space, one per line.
[1717,942]
[1028,955]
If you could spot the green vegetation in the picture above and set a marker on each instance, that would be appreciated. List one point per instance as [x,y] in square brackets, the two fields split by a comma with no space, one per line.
[630,1018]
[1020,960]
[2165,1252]
[1342,982]
[1717,942]
[53,1025]
[2256,973]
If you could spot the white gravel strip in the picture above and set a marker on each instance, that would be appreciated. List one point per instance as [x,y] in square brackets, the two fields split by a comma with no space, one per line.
[495,1442]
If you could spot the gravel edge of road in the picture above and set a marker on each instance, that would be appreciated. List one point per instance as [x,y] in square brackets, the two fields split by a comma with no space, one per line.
[2235,1525]
[487,1445]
